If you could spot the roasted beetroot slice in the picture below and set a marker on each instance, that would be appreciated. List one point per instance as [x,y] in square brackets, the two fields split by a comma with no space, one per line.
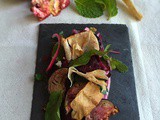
[57,80]
[56,53]
[103,111]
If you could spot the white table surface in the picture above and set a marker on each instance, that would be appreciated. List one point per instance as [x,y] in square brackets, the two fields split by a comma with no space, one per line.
[18,44]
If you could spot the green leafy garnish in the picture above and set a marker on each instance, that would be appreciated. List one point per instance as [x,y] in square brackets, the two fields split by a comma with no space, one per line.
[103,91]
[53,106]
[84,59]
[107,48]
[89,8]
[95,8]
[38,76]
[116,64]
[61,33]
[110,6]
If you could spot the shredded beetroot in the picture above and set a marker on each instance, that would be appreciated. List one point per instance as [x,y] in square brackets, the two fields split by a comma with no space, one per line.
[108,87]
[56,53]
[103,66]
[86,29]
[93,64]
[99,37]
[74,31]
[107,69]
[115,52]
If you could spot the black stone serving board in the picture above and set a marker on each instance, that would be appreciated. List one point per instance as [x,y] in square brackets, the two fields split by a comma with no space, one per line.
[122,92]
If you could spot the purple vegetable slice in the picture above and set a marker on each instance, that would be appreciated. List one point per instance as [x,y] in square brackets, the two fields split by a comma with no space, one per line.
[57,80]
[56,53]
[103,111]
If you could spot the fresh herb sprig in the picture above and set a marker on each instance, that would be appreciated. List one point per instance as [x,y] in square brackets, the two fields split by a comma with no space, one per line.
[84,59]
[95,8]
[53,106]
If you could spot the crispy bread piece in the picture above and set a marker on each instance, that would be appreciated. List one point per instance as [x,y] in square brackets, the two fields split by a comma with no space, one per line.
[86,100]
[77,44]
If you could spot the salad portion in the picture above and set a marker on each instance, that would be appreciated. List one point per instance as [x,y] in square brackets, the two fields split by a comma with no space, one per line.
[79,86]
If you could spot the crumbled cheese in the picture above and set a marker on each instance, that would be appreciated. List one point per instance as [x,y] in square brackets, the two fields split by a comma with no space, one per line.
[59,64]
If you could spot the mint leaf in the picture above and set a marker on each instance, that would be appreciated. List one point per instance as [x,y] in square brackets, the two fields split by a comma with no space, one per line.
[110,6]
[84,59]
[116,64]
[102,3]
[89,8]
[107,48]
[112,64]
[53,106]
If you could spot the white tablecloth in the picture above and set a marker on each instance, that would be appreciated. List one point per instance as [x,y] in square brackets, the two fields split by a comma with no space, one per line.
[18,44]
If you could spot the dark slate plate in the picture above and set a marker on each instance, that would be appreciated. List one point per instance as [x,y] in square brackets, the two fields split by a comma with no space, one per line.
[122,93]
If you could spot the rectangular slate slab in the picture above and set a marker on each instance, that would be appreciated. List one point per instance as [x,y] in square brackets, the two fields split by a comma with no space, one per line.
[122,93]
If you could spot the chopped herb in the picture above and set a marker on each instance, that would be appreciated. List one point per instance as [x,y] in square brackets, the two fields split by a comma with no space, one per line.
[107,48]
[61,33]
[38,76]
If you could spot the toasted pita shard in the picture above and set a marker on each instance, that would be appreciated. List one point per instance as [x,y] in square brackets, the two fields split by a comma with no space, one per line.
[86,100]
[132,9]
[93,76]
[67,48]
[79,43]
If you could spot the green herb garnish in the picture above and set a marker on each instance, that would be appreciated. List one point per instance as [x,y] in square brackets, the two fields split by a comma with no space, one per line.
[38,76]
[84,59]
[110,6]
[116,64]
[95,8]
[89,8]
[53,106]
[107,48]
